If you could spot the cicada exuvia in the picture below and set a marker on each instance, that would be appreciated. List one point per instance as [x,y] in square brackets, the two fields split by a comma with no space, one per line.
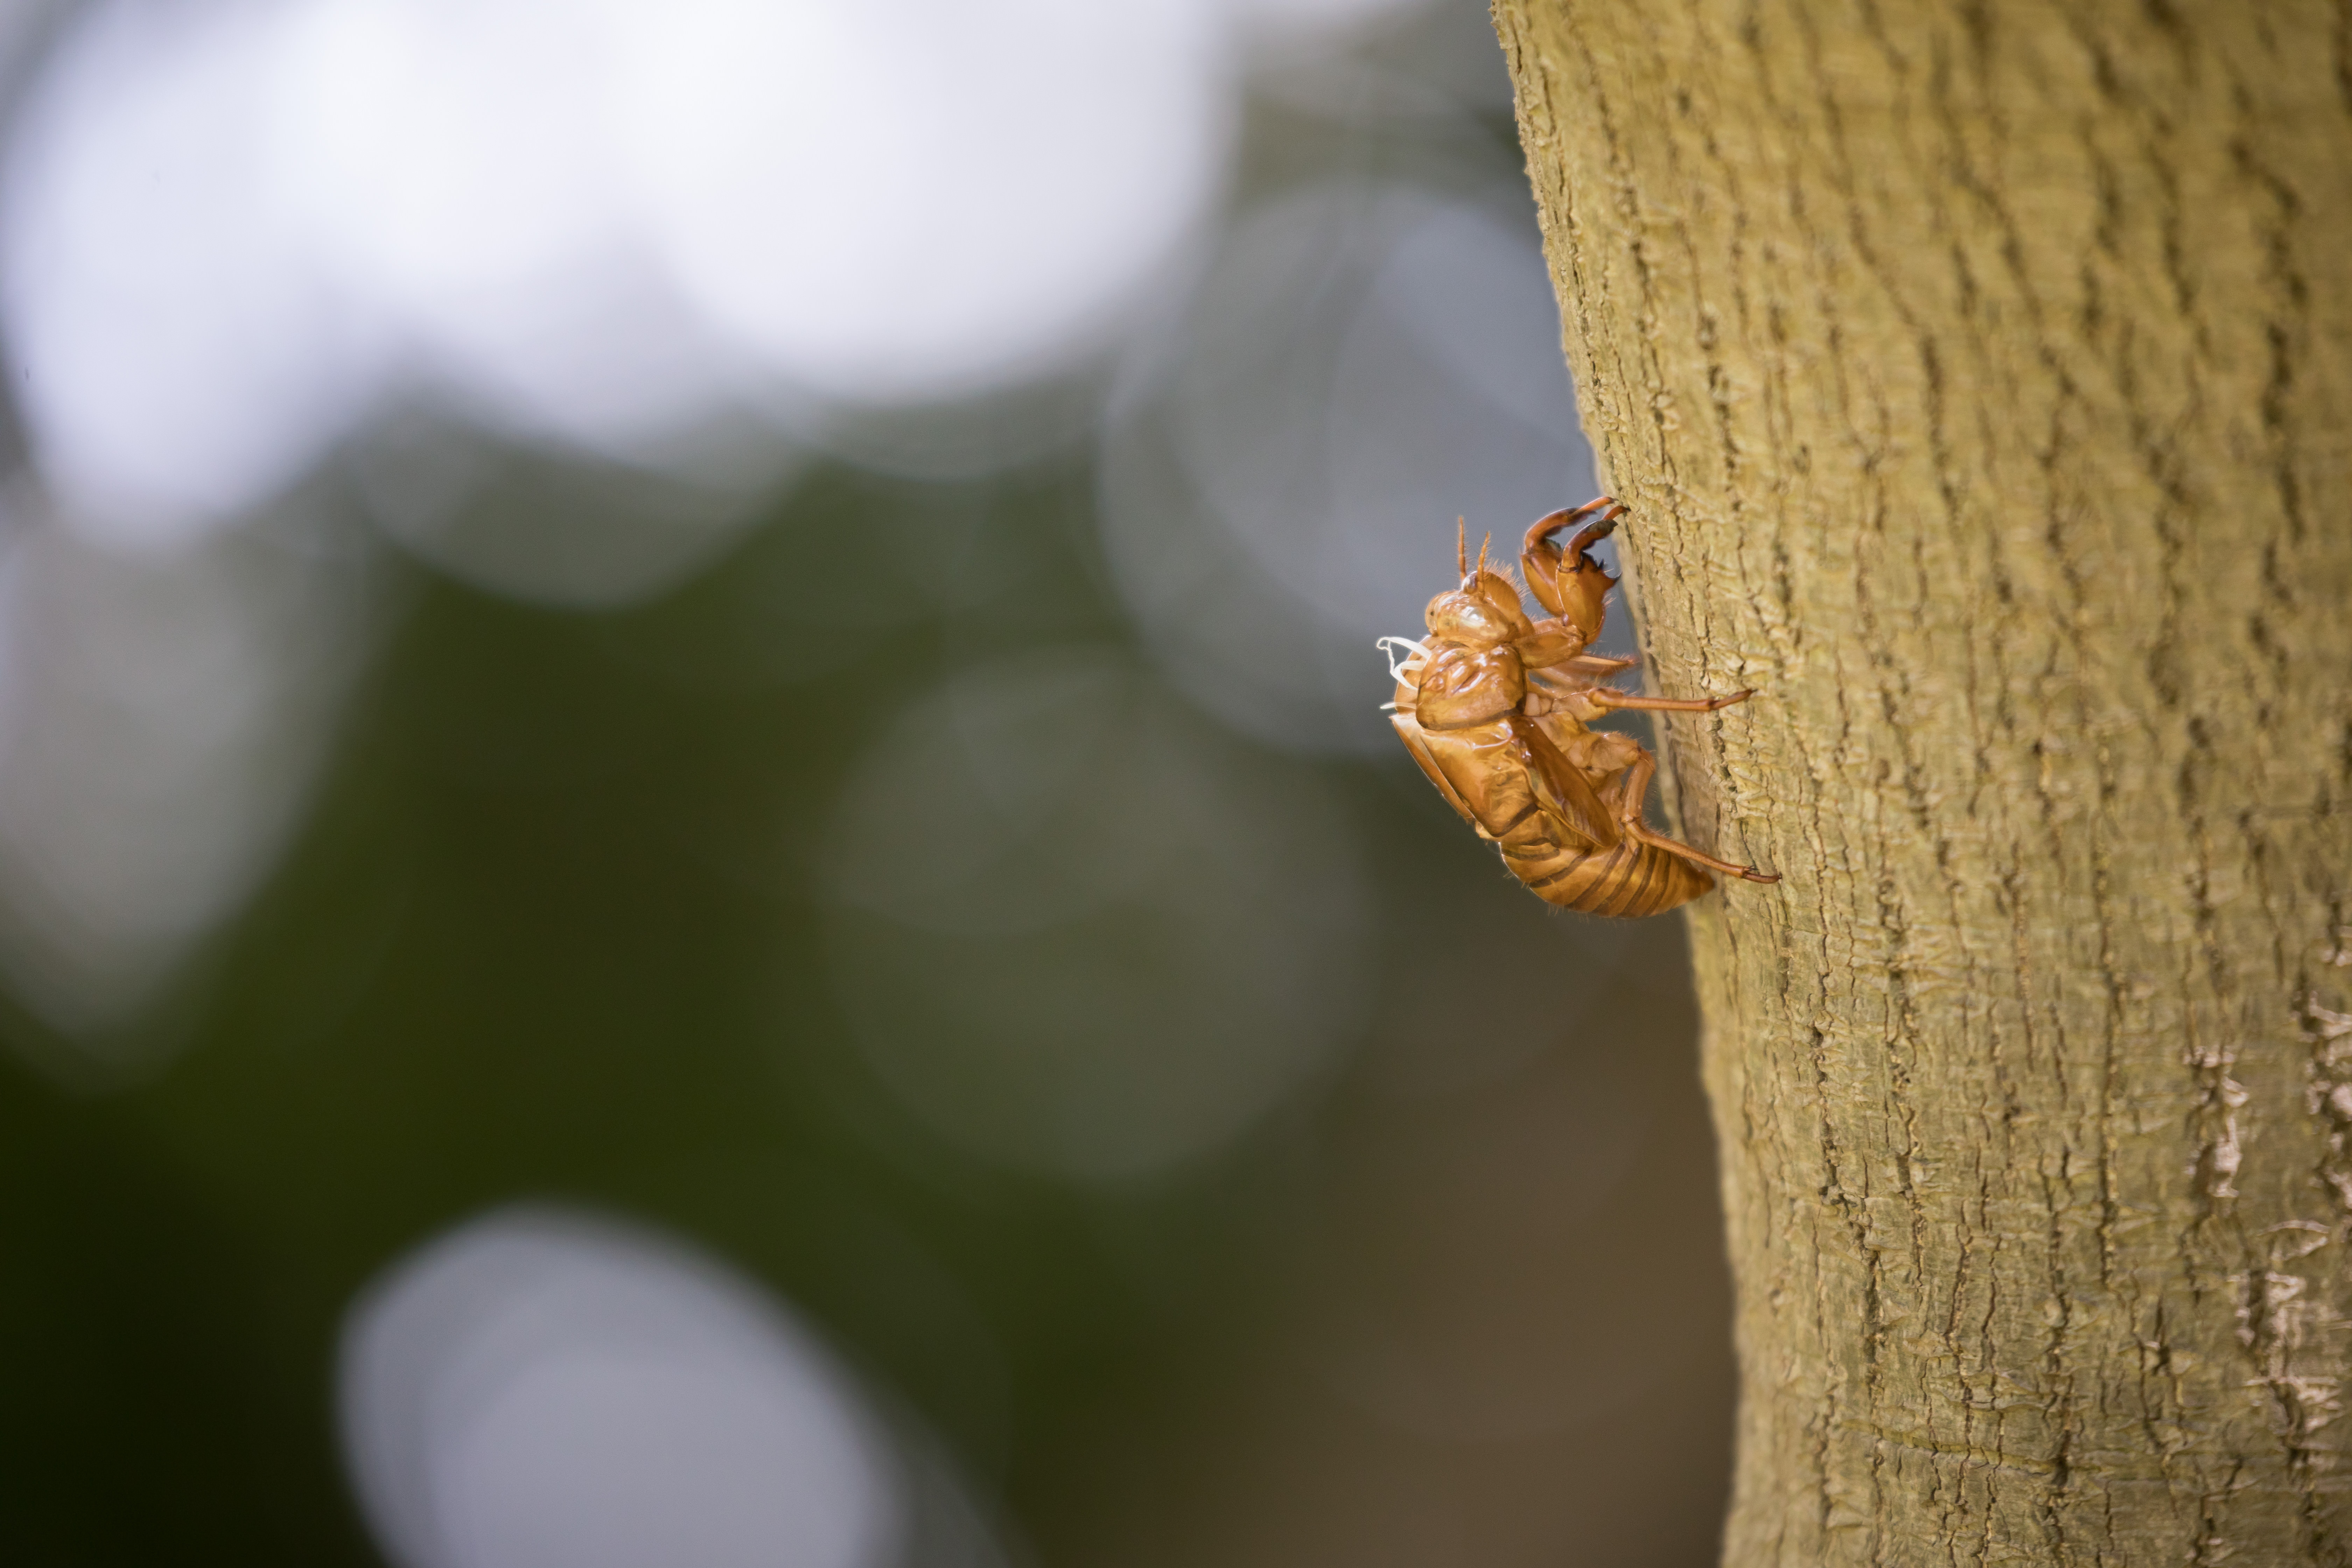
[1496,709]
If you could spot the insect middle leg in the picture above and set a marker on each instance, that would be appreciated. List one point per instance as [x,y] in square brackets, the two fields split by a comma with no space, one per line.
[1634,789]
[1610,697]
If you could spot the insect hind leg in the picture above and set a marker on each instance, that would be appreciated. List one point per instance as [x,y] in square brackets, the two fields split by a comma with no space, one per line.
[1633,790]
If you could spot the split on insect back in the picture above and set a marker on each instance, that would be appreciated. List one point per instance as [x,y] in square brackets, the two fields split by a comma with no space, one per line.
[1496,709]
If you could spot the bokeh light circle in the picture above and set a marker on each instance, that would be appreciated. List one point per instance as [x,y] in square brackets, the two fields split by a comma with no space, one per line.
[1079,930]
[545,1389]
[927,202]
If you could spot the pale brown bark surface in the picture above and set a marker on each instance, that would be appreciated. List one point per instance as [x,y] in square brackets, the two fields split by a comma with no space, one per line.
[1981,379]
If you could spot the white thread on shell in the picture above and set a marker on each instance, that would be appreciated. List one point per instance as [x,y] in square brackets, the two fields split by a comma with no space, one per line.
[1387,646]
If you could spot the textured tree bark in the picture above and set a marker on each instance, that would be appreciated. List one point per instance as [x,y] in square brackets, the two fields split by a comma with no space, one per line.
[1979,376]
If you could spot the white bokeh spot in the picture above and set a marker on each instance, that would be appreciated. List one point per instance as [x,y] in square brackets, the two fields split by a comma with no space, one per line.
[545,1389]
[178,354]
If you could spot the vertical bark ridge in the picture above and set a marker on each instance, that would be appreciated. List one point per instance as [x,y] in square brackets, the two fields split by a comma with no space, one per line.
[1981,378]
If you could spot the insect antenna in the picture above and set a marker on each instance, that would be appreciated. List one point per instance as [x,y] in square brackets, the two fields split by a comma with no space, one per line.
[1462,545]
[1482,555]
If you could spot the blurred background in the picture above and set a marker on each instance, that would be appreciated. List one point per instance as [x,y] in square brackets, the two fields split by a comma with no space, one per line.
[698,866]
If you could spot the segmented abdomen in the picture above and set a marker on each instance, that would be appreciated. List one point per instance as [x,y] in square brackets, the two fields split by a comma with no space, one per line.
[1627,881]
[1551,826]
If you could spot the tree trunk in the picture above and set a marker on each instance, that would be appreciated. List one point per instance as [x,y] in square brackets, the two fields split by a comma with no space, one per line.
[1979,376]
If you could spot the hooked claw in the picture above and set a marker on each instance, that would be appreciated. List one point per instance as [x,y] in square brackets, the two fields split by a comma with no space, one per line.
[1570,582]
[1592,534]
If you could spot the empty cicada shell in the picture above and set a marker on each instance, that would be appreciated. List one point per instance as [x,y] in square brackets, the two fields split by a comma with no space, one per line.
[1497,707]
